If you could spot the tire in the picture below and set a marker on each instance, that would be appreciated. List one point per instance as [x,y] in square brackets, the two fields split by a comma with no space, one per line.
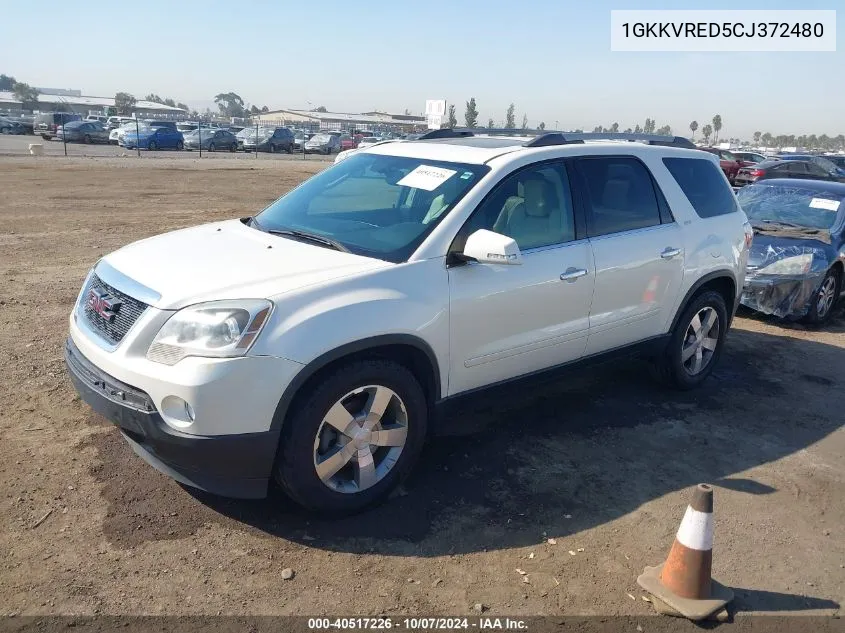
[86,139]
[671,368]
[45,137]
[180,145]
[151,146]
[211,147]
[233,148]
[271,148]
[305,434]
[824,298]
[5,130]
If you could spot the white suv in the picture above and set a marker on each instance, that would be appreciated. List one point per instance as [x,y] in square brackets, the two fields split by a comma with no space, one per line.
[315,342]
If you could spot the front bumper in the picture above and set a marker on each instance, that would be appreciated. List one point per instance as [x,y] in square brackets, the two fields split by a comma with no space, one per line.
[238,465]
[781,295]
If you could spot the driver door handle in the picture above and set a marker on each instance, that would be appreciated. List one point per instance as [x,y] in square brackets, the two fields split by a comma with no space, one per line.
[572,274]
[669,252]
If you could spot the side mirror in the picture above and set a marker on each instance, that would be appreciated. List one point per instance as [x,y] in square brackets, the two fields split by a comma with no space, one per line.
[488,247]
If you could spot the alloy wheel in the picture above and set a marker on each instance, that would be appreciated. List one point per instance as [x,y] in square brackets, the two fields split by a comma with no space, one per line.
[700,341]
[360,439]
[826,296]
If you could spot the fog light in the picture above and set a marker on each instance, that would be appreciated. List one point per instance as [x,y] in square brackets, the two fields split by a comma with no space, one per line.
[189,410]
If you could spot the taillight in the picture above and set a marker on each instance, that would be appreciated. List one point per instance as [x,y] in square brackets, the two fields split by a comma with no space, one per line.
[757,173]
[749,234]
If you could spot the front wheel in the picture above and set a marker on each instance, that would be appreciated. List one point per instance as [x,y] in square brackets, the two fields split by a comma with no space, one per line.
[271,149]
[824,299]
[695,344]
[233,147]
[211,147]
[353,437]
[152,146]
[180,145]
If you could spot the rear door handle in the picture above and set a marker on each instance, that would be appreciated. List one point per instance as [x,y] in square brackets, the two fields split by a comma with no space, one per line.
[572,274]
[669,252]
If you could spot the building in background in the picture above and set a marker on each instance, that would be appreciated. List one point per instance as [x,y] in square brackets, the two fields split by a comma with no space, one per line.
[374,121]
[69,101]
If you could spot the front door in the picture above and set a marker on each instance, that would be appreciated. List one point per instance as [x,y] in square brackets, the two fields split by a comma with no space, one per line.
[511,320]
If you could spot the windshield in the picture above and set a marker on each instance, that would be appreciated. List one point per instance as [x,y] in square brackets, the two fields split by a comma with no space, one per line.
[791,205]
[261,133]
[824,163]
[320,138]
[378,206]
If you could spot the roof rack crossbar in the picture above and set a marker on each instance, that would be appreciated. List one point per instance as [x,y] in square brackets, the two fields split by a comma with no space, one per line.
[563,138]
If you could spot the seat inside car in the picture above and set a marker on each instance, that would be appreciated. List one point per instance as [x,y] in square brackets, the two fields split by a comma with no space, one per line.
[535,218]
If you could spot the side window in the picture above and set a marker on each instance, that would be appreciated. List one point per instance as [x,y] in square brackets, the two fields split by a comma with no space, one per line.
[704,186]
[816,170]
[619,195]
[781,169]
[797,167]
[533,206]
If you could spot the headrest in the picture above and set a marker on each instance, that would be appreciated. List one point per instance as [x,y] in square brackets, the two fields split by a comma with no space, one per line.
[539,197]
[615,194]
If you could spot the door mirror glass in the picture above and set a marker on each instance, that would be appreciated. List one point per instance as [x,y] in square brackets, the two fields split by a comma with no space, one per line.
[488,247]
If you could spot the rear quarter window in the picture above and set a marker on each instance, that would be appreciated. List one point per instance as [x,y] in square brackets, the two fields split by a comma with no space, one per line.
[704,186]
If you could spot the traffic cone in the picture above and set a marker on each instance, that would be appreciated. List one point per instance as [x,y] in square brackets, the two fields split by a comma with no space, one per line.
[683,582]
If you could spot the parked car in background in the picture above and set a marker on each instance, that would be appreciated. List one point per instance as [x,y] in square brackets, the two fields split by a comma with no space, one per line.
[171,125]
[46,123]
[9,126]
[114,122]
[187,126]
[266,139]
[823,162]
[153,138]
[83,132]
[750,158]
[299,141]
[322,144]
[795,266]
[729,163]
[116,135]
[211,140]
[346,142]
[804,169]
[837,160]
[368,141]
[97,117]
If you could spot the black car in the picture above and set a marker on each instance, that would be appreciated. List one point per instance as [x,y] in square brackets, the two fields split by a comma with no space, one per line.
[803,169]
[266,139]
[9,126]
[795,265]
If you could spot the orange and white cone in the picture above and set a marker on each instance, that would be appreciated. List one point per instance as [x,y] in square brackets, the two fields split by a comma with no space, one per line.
[683,582]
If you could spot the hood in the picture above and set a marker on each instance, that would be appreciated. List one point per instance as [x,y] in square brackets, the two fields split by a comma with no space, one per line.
[229,260]
[778,244]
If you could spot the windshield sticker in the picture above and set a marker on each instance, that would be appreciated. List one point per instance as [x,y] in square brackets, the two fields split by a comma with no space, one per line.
[466,175]
[426,177]
[824,203]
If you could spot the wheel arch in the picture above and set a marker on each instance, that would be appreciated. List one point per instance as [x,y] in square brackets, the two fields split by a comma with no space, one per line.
[410,351]
[723,282]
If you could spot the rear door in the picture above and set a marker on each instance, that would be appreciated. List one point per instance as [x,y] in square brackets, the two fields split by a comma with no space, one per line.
[637,247]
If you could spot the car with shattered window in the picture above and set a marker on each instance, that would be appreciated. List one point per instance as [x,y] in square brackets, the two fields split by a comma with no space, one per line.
[795,266]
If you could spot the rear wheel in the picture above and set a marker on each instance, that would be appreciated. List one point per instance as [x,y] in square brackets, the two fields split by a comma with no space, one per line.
[695,344]
[211,147]
[180,145]
[353,437]
[86,139]
[824,299]
[152,146]
[233,147]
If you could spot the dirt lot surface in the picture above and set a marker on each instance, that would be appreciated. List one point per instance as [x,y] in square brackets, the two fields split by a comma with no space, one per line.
[580,483]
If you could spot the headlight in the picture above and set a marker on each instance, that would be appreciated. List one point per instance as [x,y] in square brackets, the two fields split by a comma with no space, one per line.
[217,329]
[795,265]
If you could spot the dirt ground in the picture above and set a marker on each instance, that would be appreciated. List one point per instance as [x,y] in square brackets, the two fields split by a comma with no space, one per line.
[580,483]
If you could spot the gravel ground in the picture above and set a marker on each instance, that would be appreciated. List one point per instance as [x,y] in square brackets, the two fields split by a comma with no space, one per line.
[579,483]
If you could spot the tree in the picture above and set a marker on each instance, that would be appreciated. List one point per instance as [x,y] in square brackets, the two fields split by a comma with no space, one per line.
[230,104]
[717,125]
[319,109]
[542,126]
[629,131]
[598,129]
[648,127]
[453,120]
[510,119]
[471,114]
[693,126]
[25,94]
[707,130]
[154,98]
[665,131]
[182,106]
[407,112]
[524,121]
[264,109]
[766,138]
[490,124]
[7,82]
[254,110]
[614,128]
[170,102]
[638,129]
[757,136]
[124,102]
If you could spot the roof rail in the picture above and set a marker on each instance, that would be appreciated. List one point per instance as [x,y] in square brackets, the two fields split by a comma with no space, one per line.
[445,133]
[463,132]
[564,138]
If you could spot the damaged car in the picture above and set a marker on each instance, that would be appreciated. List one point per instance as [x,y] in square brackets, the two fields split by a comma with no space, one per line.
[795,266]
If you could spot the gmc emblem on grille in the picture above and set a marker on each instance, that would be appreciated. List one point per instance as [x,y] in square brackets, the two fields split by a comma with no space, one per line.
[103,304]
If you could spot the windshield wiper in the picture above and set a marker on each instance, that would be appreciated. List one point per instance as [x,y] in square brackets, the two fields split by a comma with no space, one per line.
[310,237]
[780,223]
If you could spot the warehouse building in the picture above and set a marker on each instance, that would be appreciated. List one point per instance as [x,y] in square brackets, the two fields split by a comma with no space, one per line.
[341,120]
[74,101]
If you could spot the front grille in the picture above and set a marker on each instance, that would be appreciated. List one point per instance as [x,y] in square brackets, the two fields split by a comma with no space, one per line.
[126,314]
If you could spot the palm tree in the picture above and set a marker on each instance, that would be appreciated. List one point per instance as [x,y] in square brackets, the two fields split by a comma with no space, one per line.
[707,130]
[717,125]
[757,136]
[693,126]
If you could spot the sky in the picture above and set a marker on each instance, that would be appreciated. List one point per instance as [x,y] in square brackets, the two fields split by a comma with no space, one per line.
[551,58]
